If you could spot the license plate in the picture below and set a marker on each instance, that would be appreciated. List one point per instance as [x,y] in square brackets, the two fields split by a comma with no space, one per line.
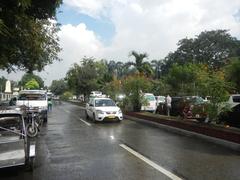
[111,117]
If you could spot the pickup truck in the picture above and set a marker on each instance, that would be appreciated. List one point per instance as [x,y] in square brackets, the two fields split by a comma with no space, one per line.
[34,98]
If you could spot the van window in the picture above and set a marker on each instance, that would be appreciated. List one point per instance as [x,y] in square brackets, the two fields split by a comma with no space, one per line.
[150,97]
[32,97]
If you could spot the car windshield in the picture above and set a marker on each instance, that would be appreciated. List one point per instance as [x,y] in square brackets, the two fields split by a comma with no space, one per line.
[104,102]
[32,97]
[150,97]
[161,98]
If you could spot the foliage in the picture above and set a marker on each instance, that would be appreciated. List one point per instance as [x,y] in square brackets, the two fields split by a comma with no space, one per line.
[209,47]
[66,96]
[233,73]
[157,65]
[58,87]
[28,77]
[29,38]
[82,79]
[113,88]
[2,83]
[161,88]
[32,84]
[182,78]
[218,90]
[141,66]
[133,87]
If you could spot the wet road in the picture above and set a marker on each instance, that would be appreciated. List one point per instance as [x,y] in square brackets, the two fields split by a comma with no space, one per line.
[69,147]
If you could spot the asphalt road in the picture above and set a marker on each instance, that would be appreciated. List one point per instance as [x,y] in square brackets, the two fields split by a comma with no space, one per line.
[69,148]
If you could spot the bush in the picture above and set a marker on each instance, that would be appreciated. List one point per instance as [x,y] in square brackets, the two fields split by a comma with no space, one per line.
[133,87]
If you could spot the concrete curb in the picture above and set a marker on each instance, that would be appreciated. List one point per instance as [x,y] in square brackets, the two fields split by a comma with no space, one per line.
[222,142]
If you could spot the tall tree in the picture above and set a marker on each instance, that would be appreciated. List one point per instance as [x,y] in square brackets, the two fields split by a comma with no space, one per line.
[82,79]
[141,65]
[28,37]
[209,47]
[157,65]
[58,87]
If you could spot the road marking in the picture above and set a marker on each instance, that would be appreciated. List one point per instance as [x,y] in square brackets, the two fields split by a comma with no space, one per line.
[151,163]
[85,122]
[112,137]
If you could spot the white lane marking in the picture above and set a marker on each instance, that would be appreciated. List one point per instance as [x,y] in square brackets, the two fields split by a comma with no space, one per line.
[112,137]
[151,163]
[85,122]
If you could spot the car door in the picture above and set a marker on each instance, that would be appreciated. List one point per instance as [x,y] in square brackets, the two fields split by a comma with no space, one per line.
[90,108]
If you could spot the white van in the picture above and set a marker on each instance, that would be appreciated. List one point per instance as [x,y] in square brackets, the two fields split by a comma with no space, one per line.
[34,98]
[151,103]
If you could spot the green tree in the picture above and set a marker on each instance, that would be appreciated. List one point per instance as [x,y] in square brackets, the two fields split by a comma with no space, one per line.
[29,76]
[32,84]
[209,47]
[233,72]
[2,83]
[134,86]
[182,78]
[142,67]
[217,89]
[29,39]
[82,79]
[157,65]
[112,88]
[58,87]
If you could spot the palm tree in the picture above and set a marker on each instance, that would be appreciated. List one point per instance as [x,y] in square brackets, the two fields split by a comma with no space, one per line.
[157,64]
[139,64]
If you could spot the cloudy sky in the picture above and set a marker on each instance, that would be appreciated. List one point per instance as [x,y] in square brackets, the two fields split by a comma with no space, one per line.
[110,29]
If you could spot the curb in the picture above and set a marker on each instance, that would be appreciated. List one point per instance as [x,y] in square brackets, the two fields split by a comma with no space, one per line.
[222,142]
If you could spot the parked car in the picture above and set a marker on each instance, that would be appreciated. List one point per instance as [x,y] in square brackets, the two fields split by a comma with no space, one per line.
[15,149]
[189,107]
[34,98]
[100,109]
[160,100]
[232,117]
[95,94]
[151,103]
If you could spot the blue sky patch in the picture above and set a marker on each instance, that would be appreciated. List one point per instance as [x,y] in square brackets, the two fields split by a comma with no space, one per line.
[103,27]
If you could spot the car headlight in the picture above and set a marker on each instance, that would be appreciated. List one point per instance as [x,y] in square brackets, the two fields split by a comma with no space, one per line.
[99,112]
[119,111]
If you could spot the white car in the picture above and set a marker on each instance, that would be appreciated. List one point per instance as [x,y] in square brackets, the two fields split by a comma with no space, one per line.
[151,103]
[99,109]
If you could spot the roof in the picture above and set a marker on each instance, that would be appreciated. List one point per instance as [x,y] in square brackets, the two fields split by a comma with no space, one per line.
[32,92]
[101,98]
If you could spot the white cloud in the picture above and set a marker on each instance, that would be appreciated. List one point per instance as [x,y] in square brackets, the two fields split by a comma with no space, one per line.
[93,8]
[76,42]
[147,26]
